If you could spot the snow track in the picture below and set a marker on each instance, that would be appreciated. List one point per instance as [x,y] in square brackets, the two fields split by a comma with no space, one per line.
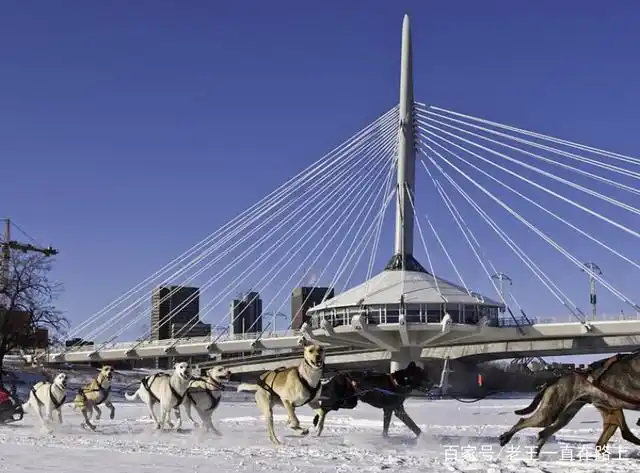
[457,438]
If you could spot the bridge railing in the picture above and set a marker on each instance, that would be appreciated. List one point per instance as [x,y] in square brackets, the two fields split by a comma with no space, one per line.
[599,318]
[183,341]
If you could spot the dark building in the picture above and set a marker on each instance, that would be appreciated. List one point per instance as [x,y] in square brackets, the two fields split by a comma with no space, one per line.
[246,314]
[175,313]
[304,298]
[173,305]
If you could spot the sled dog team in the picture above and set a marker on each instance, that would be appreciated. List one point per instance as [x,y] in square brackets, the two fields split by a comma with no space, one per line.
[289,387]
[611,385]
[169,391]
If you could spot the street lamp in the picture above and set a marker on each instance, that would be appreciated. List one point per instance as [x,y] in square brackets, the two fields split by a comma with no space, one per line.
[502,277]
[274,317]
[595,269]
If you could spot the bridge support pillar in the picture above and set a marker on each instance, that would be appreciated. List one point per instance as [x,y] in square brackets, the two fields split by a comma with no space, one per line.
[400,359]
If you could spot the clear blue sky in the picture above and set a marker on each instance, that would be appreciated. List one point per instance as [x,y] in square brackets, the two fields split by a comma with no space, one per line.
[131,130]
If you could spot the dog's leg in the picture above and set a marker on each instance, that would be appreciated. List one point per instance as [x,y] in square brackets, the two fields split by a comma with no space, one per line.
[86,413]
[626,432]
[165,411]
[112,409]
[611,420]
[408,421]
[163,417]
[152,414]
[294,422]
[386,421]
[205,417]
[209,422]
[60,415]
[321,415]
[187,409]
[561,421]
[49,413]
[176,412]
[545,416]
[89,409]
[264,402]
[98,412]
[212,427]
[38,411]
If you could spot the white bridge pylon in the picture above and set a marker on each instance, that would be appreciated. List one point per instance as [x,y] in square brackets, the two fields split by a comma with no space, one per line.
[324,226]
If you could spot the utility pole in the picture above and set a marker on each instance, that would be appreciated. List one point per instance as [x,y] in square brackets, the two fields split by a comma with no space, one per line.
[8,244]
[594,268]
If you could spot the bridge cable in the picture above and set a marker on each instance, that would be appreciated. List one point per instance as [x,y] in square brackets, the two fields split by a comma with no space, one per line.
[349,254]
[601,152]
[541,207]
[609,200]
[444,249]
[373,237]
[459,221]
[390,158]
[368,190]
[344,197]
[427,115]
[291,183]
[332,192]
[542,234]
[317,182]
[342,220]
[514,247]
[378,232]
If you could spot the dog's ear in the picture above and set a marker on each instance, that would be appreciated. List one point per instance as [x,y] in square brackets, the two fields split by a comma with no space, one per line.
[412,365]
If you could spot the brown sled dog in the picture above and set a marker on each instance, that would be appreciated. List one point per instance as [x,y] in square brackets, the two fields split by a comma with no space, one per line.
[97,392]
[559,401]
[292,387]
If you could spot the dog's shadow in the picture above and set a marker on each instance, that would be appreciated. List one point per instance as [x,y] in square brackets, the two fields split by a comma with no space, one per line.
[15,425]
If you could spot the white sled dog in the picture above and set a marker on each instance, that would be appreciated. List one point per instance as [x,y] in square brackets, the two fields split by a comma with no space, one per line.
[48,396]
[292,387]
[166,390]
[204,395]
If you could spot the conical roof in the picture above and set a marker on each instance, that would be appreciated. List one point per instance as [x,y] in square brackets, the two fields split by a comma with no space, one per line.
[418,288]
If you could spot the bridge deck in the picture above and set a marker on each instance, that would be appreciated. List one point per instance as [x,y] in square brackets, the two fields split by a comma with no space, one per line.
[487,341]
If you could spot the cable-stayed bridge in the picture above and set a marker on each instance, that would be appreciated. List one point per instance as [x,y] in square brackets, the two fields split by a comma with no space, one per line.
[334,215]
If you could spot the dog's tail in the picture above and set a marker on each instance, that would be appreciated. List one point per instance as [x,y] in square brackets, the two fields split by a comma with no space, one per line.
[27,404]
[247,387]
[535,403]
[131,397]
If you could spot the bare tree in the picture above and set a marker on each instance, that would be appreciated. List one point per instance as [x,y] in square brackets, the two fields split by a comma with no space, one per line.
[27,296]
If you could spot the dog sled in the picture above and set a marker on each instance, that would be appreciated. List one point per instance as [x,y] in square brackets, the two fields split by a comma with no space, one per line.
[10,408]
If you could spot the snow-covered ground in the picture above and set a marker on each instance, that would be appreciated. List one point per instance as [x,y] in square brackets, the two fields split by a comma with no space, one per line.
[457,437]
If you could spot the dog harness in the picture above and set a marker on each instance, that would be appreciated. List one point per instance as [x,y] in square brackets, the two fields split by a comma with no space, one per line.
[312,390]
[147,385]
[212,399]
[54,401]
[594,378]
[104,391]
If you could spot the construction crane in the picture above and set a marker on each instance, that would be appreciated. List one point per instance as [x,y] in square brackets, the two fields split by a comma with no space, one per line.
[8,244]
